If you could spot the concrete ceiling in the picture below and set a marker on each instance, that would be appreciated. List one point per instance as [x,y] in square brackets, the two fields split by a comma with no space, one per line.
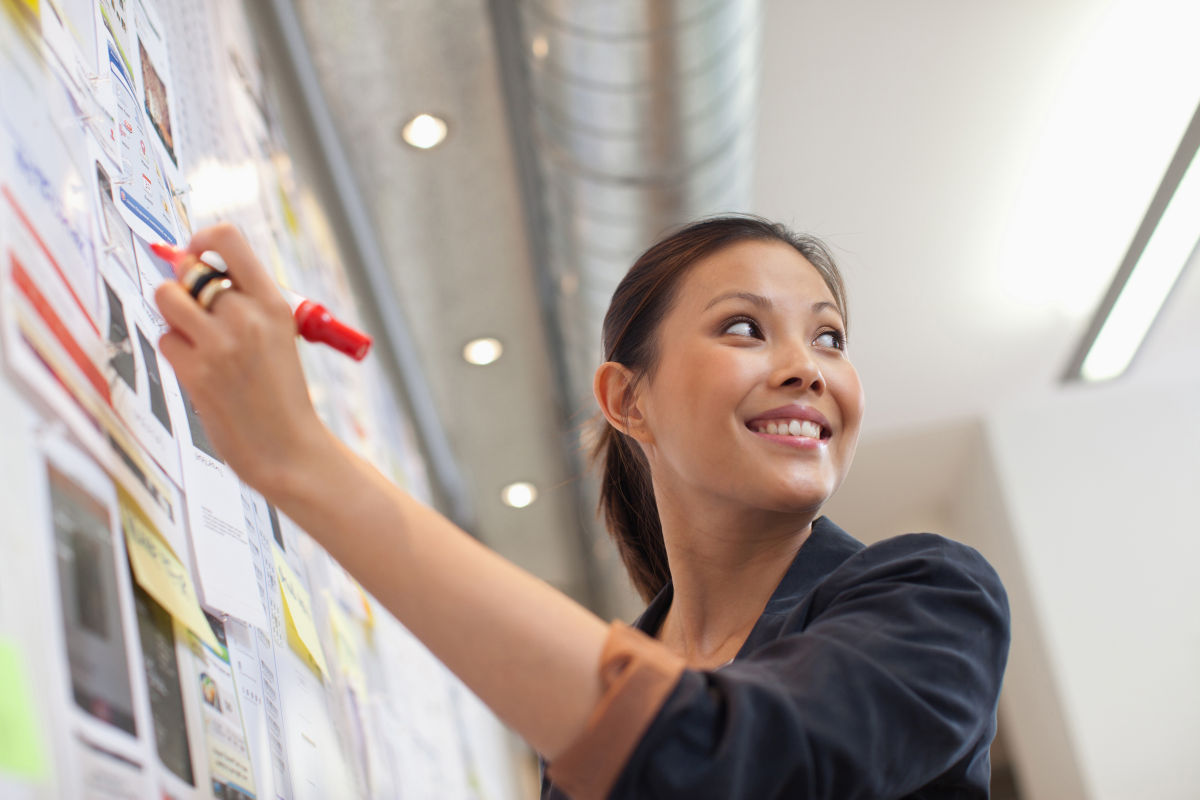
[979,169]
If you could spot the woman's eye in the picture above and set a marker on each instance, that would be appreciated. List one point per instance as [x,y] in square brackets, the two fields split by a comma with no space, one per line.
[832,339]
[743,327]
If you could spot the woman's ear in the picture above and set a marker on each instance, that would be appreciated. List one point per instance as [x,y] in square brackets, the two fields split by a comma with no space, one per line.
[616,392]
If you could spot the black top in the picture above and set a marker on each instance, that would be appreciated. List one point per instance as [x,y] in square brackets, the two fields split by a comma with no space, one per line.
[873,672]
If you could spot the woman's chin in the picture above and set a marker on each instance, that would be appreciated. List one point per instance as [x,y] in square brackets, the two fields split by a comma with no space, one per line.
[805,501]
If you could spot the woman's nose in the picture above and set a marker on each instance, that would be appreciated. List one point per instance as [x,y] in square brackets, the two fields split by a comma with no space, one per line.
[798,368]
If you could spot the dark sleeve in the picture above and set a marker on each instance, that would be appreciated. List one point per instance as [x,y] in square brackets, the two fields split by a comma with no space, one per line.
[890,680]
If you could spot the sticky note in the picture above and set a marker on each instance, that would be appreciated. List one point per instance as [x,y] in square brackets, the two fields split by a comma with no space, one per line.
[297,611]
[368,610]
[289,214]
[160,572]
[20,735]
[346,646]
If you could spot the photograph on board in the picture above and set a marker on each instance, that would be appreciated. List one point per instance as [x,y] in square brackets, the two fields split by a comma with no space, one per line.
[91,614]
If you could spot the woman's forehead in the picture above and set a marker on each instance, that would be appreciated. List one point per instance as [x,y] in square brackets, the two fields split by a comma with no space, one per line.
[772,270]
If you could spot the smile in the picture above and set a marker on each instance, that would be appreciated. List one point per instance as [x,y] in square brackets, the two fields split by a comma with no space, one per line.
[794,428]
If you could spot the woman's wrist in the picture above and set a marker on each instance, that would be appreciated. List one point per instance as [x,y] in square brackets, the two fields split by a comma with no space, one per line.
[309,464]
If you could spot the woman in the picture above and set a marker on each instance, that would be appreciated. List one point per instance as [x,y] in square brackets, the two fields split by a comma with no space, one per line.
[779,657]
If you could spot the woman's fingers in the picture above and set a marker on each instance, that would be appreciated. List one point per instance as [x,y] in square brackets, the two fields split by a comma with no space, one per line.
[243,267]
[183,313]
[177,349]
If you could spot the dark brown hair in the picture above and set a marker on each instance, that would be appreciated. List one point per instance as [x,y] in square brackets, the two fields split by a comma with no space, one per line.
[638,306]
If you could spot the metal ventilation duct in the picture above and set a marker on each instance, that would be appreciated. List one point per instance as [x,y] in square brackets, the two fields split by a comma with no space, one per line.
[638,116]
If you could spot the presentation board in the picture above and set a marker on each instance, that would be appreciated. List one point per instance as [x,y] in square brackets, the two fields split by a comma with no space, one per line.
[164,631]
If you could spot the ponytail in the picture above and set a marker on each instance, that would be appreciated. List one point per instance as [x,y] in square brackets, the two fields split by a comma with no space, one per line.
[630,511]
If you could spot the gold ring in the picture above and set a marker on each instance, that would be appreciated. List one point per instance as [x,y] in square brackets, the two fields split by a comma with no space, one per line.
[193,275]
[211,291]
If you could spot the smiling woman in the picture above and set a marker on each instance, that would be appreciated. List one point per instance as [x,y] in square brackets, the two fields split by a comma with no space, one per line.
[748,264]
[778,656]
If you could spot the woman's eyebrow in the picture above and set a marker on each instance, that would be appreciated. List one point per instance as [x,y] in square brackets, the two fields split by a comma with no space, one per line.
[756,299]
[821,305]
[765,303]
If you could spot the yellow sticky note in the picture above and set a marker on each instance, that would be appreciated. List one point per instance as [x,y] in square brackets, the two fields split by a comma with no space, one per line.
[368,610]
[160,572]
[346,646]
[297,610]
[289,213]
[20,735]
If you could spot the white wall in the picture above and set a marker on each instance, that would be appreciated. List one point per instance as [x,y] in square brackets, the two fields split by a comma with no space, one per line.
[1032,722]
[1100,488]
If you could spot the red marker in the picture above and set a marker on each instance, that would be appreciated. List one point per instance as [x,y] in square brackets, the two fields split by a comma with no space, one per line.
[313,321]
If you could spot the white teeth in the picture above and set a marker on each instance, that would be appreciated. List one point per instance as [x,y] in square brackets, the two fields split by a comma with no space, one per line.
[794,427]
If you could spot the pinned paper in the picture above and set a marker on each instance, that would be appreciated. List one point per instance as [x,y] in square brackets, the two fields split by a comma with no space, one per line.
[159,571]
[353,600]
[297,610]
[346,646]
[20,738]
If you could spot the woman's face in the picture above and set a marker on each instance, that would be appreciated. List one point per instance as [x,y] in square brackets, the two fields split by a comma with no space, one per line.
[754,399]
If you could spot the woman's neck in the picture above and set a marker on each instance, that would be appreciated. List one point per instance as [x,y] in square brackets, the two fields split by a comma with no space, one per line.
[725,564]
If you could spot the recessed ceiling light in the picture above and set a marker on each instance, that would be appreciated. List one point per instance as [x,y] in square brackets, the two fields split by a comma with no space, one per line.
[482,351]
[424,131]
[519,494]
[540,47]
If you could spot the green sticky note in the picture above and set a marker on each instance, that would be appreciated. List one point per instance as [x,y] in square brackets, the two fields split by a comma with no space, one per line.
[20,733]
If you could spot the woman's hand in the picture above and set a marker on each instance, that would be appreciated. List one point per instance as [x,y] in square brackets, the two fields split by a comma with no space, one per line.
[238,363]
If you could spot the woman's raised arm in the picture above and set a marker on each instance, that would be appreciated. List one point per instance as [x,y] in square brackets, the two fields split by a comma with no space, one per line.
[527,650]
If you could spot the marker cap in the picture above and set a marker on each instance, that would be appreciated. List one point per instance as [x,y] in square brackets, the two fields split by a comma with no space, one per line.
[316,324]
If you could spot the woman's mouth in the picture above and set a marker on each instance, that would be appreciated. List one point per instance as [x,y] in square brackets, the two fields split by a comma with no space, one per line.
[796,428]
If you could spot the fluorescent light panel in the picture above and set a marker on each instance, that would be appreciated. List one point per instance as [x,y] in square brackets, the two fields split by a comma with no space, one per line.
[1161,249]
